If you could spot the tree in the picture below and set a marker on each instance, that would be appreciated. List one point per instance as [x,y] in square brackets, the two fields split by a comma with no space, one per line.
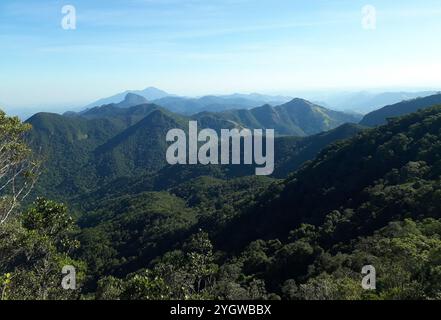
[201,261]
[18,170]
[52,220]
[34,248]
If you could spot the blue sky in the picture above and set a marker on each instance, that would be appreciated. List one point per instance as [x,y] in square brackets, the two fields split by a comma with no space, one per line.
[195,47]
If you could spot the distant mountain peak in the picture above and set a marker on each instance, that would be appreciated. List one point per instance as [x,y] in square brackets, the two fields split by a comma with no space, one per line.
[132,99]
[152,88]
[152,93]
[266,107]
[149,93]
[300,101]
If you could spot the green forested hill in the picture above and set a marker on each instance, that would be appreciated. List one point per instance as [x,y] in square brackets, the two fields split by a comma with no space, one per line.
[84,152]
[139,149]
[122,117]
[297,118]
[133,229]
[291,153]
[66,145]
[80,152]
[380,116]
[201,232]
[374,199]
[365,179]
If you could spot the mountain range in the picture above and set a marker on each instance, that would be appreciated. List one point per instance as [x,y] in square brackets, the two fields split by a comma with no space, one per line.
[297,117]
[372,199]
[342,196]
[105,143]
[187,105]
[218,103]
[118,140]
[369,167]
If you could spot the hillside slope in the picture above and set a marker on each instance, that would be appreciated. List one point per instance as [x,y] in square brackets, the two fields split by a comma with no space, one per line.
[138,149]
[363,180]
[87,151]
[379,117]
[297,118]
[372,200]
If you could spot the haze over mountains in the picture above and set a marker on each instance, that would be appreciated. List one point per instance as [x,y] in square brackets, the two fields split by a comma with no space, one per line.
[127,139]
[115,140]
[380,116]
[364,101]
[361,102]
[334,200]
[149,93]
[239,109]
[191,105]
[297,117]
[336,186]
[146,168]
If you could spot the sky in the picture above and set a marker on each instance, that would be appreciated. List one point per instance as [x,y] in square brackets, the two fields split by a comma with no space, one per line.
[197,47]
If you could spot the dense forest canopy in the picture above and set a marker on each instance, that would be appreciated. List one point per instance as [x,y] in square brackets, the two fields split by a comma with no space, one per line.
[210,232]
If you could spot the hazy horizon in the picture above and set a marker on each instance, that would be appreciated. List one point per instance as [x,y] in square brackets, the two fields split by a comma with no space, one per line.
[323,97]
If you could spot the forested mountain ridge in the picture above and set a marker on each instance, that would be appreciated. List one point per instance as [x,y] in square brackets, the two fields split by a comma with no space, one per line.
[81,152]
[66,144]
[84,151]
[345,175]
[298,117]
[290,154]
[128,116]
[213,103]
[187,105]
[374,199]
[138,149]
[380,116]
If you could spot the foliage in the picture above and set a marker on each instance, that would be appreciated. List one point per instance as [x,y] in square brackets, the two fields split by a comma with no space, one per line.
[381,116]
[32,254]
[179,233]
[94,150]
[18,169]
